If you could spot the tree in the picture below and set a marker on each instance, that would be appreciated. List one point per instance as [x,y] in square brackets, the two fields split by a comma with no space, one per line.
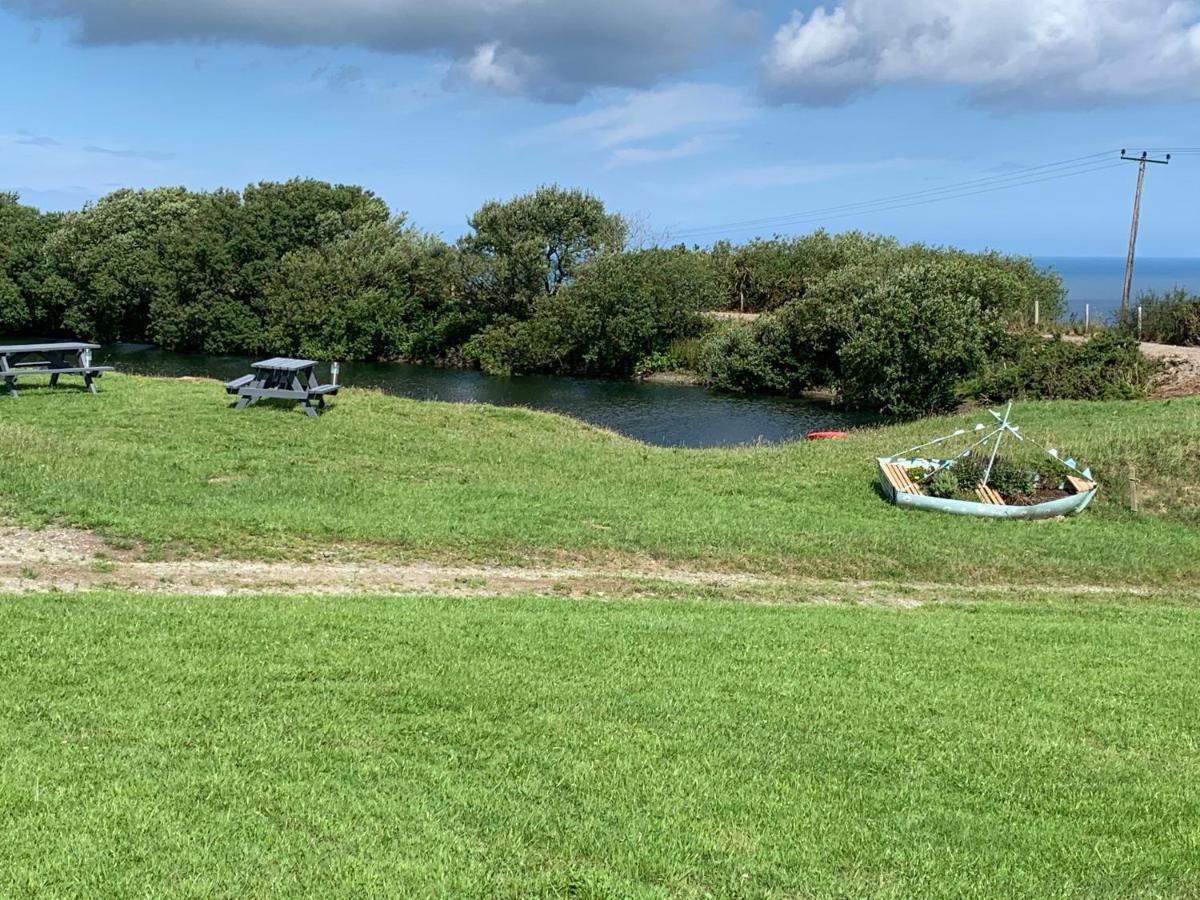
[24,272]
[619,310]
[379,292]
[532,245]
[107,261]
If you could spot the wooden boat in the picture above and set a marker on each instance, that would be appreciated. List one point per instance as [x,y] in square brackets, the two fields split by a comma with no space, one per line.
[896,479]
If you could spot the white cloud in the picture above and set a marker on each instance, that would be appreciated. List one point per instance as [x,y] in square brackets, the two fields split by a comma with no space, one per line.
[660,113]
[639,156]
[1005,52]
[547,49]
[643,127]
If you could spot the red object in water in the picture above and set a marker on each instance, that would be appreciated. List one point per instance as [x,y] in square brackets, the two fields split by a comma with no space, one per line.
[826,435]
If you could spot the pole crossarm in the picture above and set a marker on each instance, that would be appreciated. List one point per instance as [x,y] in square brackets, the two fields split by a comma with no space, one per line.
[1137,211]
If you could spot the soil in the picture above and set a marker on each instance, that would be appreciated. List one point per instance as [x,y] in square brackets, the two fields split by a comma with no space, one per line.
[1043,495]
[66,559]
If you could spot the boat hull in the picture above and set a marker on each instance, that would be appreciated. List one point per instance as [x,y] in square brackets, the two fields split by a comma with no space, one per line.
[1051,509]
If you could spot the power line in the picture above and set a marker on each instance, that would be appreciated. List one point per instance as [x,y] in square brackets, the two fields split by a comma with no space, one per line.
[1030,175]
[1137,210]
[1010,176]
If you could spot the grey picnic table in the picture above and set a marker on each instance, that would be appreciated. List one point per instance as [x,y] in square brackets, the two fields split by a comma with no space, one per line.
[281,378]
[54,359]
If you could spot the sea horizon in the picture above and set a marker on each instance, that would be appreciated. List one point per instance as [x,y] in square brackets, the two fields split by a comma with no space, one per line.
[1097,281]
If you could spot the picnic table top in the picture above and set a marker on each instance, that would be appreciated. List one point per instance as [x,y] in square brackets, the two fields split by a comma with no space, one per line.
[284,363]
[52,347]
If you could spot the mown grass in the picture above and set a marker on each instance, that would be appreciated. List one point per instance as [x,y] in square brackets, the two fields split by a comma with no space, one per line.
[501,748]
[169,463]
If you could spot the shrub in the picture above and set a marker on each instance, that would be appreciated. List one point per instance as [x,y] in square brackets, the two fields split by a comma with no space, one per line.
[1170,318]
[943,483]
[914,340]
[620,309]
[734,358]
[1010,480]
[895,340]
[1108,366]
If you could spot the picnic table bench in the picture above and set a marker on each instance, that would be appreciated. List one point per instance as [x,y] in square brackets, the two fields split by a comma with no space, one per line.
[281,378]
[52,359]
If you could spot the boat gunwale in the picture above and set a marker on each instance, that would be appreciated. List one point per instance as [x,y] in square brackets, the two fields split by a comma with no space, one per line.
[1062,506]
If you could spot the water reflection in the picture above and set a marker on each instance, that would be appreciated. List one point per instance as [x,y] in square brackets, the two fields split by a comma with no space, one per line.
[666,415]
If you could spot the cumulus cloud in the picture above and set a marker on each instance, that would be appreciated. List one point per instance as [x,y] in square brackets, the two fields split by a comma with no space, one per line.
[542,48]
[1005,52]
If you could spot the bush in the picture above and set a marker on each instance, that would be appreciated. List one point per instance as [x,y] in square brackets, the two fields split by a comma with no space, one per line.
[621,309]
[1170,318]
[1108,366]
[1010,480]
[734,358]
[943,483]
[381,292]
[913,341]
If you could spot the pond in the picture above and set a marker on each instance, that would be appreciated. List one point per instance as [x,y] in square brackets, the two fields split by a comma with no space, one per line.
[663,414]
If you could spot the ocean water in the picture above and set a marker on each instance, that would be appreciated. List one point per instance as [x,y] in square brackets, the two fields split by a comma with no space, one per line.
[1097,280]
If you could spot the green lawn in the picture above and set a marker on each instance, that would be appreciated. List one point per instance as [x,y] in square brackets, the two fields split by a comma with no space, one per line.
[169,463]
[157,746]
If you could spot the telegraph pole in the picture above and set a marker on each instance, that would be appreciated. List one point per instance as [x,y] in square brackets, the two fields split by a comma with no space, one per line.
[1137,210]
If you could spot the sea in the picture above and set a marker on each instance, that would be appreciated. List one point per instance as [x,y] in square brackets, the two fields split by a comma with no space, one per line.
[1096,281]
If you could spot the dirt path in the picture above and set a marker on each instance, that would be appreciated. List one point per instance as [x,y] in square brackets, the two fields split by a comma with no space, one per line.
[59,559]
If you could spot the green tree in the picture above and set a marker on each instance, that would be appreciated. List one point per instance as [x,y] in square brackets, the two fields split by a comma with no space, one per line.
[108,265]
[24,271]
[530,246]
[381,291]
[620,309]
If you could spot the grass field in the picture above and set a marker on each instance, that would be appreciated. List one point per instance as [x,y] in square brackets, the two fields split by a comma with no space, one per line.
[529,747]
[169,464]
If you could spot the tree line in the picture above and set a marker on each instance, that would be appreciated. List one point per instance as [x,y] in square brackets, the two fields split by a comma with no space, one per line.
[545,282]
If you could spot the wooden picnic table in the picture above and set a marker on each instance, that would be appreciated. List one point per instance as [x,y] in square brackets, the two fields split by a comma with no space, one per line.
[53,359]
[281,378]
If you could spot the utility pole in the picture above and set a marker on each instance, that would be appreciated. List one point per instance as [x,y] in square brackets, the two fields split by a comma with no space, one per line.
[1137,210]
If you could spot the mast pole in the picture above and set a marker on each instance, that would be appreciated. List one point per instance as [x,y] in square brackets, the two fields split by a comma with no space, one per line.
[999,434]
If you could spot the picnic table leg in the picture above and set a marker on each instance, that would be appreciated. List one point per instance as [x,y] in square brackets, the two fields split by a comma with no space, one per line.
[55,361]
[10,383]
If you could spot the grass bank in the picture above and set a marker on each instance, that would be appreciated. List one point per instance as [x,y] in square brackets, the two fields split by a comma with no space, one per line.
[170,464]
[286,747]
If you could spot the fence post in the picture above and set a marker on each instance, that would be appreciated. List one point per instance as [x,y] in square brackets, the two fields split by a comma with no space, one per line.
[1133,483]
[334,370]
[1087,317]
[1036,312]
[1139,321]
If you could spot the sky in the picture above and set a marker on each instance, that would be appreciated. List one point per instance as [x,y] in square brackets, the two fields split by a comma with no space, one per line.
[697,119]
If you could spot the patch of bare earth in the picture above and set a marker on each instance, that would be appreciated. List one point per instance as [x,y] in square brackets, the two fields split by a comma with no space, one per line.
[1181,377]
[64,559]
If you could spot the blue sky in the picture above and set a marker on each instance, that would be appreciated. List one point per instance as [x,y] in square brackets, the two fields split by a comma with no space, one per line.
[686,115]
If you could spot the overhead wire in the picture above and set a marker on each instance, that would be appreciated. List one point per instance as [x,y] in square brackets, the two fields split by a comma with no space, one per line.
[1031,175]
[1025,172]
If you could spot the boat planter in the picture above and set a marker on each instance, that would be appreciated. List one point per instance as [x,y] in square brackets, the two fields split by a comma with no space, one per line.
[897,474]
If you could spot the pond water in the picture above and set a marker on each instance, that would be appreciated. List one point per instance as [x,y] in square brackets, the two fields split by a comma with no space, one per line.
[662,414]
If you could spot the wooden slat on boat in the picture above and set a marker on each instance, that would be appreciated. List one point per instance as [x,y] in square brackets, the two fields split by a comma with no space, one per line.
[987,494]
[1080,485]
[898,476]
